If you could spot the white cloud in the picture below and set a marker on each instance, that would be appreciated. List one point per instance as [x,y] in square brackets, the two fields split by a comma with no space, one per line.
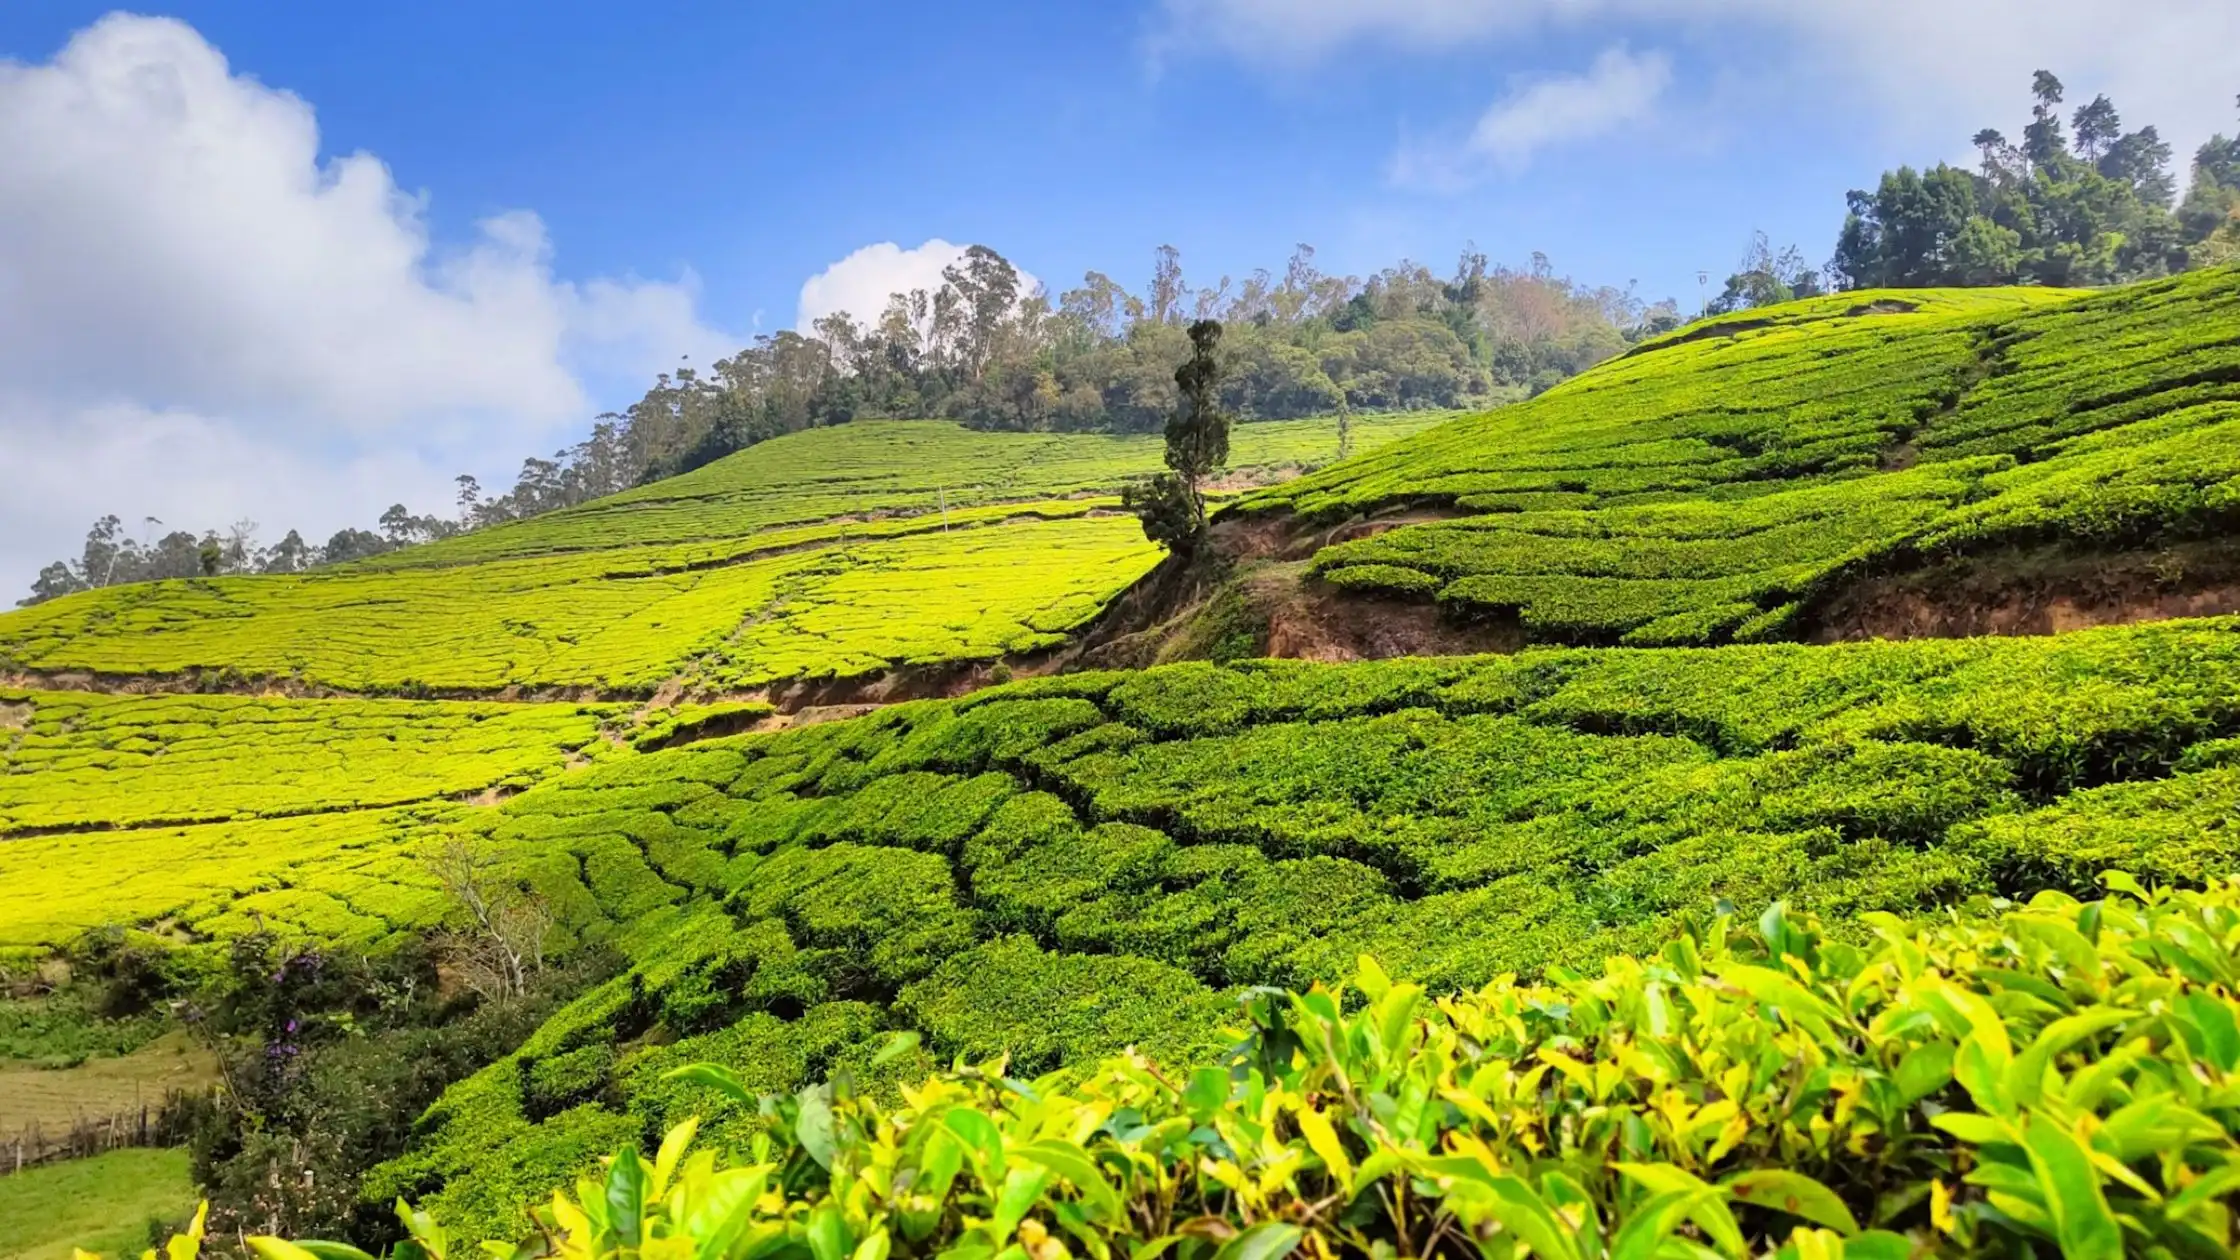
[189,471]
[196,312]
[1928,68]
[1618,90]
[861,283]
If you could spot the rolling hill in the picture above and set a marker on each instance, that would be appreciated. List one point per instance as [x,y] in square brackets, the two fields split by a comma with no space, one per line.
[1751,477]
[823,554]
[1064,867]
[619,703]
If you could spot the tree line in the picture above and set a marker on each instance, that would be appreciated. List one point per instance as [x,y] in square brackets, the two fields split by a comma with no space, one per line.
[2076,203]
[985,350]
[989,351]
[2086,203]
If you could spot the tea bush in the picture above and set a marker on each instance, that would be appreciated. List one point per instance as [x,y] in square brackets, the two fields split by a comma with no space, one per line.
[1064,867]
[220,812]
[613,622]
[844,551]
[1716,484]
[2057,1077]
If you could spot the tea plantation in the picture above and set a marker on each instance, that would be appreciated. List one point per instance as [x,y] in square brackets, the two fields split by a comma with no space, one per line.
[217,812]
[1057,869]
[859,570]
[1723,482]
[1065,867]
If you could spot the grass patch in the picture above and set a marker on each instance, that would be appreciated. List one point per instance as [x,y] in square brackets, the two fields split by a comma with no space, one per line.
[105,1204]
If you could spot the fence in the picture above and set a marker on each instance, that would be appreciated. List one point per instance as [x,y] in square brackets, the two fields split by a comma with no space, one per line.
[164,1124]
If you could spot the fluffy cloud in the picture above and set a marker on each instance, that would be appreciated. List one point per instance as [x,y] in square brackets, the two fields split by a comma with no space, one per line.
[1621,88]
[188,471]
[205,321]
[861,283]
[1930,67]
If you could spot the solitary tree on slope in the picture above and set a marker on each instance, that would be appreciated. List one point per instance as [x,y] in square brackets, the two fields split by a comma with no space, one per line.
[1172,504]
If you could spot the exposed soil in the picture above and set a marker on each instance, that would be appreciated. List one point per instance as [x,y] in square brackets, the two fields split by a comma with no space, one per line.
[1281,536]
[1883,306]
[1252,597]
[2036,591]
[1309,620]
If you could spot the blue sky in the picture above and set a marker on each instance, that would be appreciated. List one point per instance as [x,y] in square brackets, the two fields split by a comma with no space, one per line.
[521,209]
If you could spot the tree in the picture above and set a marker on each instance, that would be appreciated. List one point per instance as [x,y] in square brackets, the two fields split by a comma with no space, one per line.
[347,545]
[1766,279]
[1172,504]
[2042,141]
[2097,126]
[1166,285]
[54,581]
[501,928]
[2040,213]
[290,555]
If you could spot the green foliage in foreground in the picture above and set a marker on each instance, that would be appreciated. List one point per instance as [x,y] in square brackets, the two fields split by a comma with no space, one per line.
[1061,868]
[2062,1077]
[1719,483]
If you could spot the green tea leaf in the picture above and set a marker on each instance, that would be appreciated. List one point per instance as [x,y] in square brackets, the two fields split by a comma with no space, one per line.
[898,1045]
[813,1127]
[1269,1240]
[715,1076]
[2087,1229]
[1072,1161]
[1205,1092]
[1794,1193]
[626,1197]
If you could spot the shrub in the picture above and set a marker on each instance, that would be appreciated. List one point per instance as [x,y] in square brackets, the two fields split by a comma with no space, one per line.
[2061,1076]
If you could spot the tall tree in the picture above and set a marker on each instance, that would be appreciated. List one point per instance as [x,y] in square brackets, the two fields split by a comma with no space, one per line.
[1172,504]
[2043,213]
[2097,126]
[1166,285]
[2042,140]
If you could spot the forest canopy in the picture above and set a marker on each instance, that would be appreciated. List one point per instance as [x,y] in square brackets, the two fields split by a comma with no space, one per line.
[2075,204]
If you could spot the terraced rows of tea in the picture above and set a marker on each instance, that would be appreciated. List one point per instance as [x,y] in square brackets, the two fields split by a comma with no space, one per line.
[823,554]
[1067,866]
[213,812]
[1057,868]
[1725,482]
[210,814]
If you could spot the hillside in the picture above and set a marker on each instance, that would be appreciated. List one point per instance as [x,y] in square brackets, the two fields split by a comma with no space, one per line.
[1064,867]
[1779,474]
[743,732]
[822,554]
